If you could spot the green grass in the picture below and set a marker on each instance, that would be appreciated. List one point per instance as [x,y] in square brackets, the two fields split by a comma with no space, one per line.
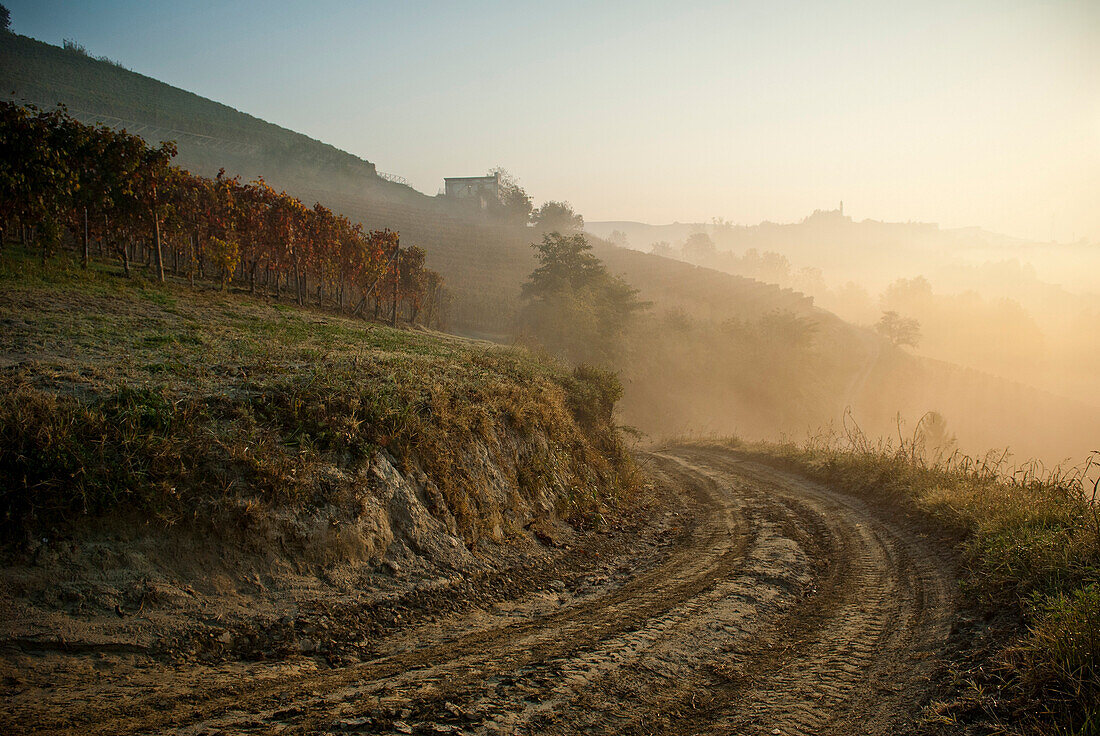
[1031,546]
[120,395]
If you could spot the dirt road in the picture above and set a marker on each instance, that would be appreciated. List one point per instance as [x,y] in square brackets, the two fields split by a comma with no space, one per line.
[770,605]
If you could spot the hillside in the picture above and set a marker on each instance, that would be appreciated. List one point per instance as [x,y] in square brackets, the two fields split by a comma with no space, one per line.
[211,135]
[485,265]
[483,262]
[712,378]
[269,427]
[297,403]
[189,474]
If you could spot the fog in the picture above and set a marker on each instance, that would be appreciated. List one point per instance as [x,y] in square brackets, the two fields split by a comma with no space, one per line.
[1005,346]
[965,137]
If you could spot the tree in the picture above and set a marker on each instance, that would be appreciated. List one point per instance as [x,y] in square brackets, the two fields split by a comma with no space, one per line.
[435,299]
[5,19]
[515,204]
[124,207]
[662,248]
[226,255]
[788,329]
[37,179]
[573,306]
[898,330]
[932,439]
[911,296]
[698,247]
[557,217]
[412,279]
[769,266]
[156,171]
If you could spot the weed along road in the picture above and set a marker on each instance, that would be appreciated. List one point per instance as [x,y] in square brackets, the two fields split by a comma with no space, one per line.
[760,603]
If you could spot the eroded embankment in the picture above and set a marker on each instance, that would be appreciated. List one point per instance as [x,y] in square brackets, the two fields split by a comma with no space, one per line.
[202,477]
[763,603]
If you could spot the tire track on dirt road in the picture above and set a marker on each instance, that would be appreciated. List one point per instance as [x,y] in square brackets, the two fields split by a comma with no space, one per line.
[865,652]
[783,607]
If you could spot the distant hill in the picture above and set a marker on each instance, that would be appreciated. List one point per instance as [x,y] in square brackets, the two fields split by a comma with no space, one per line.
[870,252]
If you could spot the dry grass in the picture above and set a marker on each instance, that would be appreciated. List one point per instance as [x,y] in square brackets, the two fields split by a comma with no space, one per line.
[116,394]
[1031,542]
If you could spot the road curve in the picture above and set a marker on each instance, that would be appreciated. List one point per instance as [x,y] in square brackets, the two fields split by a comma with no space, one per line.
[780,607]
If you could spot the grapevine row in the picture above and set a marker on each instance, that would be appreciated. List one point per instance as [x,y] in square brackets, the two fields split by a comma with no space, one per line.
[64,182]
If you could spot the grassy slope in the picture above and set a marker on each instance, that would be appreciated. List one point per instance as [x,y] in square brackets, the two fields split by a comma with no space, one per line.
[118,394]
[1032,547]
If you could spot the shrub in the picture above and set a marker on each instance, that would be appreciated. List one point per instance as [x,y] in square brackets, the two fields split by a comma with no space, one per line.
[593,393]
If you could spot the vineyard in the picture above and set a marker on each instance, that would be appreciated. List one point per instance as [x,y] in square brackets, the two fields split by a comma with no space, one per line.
[67,184]
[483,262]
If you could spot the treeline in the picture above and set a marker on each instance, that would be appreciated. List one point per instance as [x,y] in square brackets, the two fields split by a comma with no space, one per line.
[66,184]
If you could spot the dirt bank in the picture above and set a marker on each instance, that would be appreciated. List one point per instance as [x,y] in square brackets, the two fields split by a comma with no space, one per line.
[755,602]
[192,479]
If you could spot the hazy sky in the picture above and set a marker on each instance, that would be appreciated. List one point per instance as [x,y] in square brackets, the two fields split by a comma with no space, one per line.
[962,113]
